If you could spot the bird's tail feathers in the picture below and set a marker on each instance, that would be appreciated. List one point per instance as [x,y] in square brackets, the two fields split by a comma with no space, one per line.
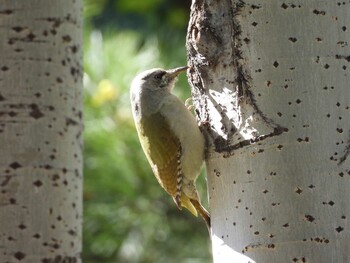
[186,202]
[202,211]
[195,207]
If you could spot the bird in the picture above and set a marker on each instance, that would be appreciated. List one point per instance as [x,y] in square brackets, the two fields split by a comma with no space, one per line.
[169,136]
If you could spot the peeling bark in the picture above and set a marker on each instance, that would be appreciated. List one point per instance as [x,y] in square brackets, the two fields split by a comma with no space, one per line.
[40,131]
[270,87]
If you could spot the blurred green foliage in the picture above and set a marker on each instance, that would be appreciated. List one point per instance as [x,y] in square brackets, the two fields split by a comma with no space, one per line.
[127,216]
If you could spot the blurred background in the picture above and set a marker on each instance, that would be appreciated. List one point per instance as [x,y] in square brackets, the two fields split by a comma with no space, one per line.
[127,216]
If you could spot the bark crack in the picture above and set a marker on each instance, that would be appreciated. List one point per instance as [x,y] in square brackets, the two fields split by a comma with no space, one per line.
[221,80]
[346,151]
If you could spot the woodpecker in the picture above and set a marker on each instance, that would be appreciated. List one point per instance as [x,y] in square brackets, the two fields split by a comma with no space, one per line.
[169,136]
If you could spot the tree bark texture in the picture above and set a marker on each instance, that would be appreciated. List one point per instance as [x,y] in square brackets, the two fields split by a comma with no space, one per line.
[270,81]
[40,131]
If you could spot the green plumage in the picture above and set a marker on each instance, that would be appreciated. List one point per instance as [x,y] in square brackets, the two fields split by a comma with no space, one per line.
[161,147]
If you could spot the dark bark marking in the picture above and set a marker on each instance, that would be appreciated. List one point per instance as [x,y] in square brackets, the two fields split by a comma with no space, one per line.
[22,226]
[346,151]
[299,260]
[229,149]
[35,111]
[298,190]
[339,229]
[317,12]
[19,255]
[60,259]
[15,165]
[38,183]
[309,218]
[66,38]
[347,58]
[5,181]
[6,12]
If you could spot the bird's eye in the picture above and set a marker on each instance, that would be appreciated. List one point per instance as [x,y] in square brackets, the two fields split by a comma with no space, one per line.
[159,75]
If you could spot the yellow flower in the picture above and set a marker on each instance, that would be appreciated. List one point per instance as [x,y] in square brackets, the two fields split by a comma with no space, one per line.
[105,92]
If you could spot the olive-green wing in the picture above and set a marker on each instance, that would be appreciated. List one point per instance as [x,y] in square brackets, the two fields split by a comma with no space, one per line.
[161,147]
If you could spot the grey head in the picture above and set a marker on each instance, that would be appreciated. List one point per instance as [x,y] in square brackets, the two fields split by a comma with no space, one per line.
[149,87]
[157,79]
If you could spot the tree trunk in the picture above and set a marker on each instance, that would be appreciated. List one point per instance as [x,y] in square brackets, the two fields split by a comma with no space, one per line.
[40,131]
[271,87]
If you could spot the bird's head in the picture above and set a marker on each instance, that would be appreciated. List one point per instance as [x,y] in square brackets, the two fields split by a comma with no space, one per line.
[157,79]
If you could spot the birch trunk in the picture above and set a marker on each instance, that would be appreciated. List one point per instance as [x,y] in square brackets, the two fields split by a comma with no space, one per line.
[40,131]
[270,81]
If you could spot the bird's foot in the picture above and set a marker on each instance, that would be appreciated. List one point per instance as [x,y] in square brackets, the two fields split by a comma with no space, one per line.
[188,104]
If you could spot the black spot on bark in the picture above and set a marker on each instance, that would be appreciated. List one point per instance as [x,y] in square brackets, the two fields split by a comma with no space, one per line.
[6,12]
[15,165]
[347,58]
[37,236]
[38,183]
[22,226]
[317,12]
[66,39]
[298,190]
[5,181]
[255,6]
[19,255]
[71,122]
[309,218]
[339,229]
[74,49]
[31,36]
[72,232]
[60,259]
[35,111]
[73,71]
[217,173]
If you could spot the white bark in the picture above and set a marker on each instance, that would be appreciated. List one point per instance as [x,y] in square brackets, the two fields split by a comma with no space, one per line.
[271,85]
[40,131]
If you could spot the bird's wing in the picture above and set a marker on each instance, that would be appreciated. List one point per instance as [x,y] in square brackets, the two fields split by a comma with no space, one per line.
[162,150]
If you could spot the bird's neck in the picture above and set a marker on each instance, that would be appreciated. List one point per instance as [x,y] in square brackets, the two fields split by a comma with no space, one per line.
[152,103]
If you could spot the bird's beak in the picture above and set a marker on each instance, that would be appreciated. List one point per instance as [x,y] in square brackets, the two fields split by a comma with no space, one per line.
[173,73]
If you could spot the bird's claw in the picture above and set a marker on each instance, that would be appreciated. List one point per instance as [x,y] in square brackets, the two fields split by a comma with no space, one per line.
[188,104]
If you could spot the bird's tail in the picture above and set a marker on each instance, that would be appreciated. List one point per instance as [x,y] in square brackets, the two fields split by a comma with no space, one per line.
[186,202]
[203,212]
[195,207]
